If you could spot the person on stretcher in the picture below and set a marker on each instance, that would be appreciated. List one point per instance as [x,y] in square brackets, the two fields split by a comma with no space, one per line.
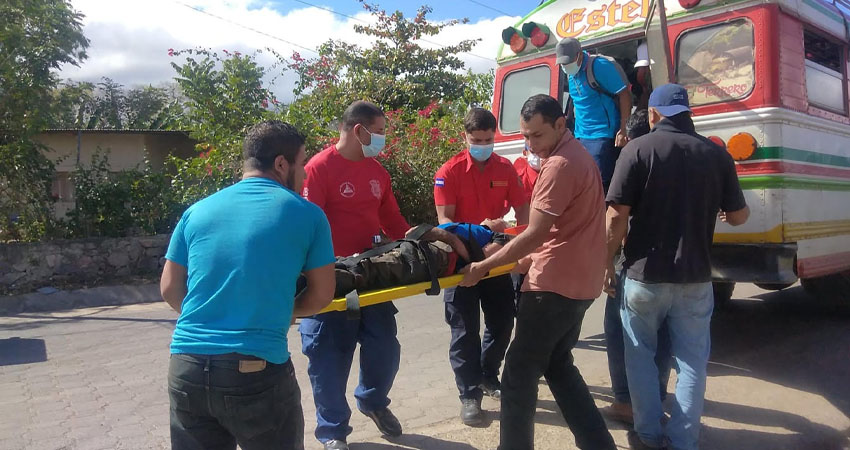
[426,253]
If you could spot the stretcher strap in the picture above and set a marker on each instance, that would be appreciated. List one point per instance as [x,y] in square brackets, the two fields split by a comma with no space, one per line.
[352,305]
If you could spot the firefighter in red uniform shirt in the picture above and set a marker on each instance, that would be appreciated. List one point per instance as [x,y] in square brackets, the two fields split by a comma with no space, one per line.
[476,186]
[527,169]
[353,190]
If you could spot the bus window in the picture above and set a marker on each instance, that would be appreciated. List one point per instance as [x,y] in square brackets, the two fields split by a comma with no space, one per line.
[516,89]
[716,63]
[824,74]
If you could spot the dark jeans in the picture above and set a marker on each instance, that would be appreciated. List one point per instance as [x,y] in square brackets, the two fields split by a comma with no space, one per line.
[472,359]
[613,325]
[605,155]
[329,341]
[214,405]
[547,329]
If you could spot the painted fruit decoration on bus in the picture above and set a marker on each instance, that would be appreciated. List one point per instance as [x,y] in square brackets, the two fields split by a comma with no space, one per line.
[716,63]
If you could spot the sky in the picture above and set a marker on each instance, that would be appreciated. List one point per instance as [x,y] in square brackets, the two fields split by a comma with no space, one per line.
[130,39]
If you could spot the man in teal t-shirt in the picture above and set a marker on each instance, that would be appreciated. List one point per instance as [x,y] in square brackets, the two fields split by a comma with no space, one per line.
[601,112]
[230,272]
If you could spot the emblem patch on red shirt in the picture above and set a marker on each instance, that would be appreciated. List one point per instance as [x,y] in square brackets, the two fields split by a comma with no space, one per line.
[346,189]
[495,184]
[376,188]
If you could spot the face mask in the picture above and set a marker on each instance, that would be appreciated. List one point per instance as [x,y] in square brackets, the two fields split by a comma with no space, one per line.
[480,152]
[534,161]
[570,69]
[375,145]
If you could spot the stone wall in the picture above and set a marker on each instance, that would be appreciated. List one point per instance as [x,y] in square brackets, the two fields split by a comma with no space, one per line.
[30,266]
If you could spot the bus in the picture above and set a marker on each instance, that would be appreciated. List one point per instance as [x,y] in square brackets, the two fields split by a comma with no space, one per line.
[766,79]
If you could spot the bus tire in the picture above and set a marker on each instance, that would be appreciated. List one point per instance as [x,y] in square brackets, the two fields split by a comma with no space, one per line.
[722,293]
[829,288]
[773,286]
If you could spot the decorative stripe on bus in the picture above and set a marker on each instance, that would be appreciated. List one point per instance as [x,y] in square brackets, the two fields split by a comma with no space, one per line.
[787,182]
[794,154]
[776,167]
[789,232]
[825,11]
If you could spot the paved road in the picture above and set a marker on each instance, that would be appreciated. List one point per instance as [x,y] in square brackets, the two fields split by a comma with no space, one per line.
[95,379]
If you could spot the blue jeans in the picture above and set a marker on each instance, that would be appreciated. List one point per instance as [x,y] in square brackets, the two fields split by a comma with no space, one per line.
[687,308]
[613,324]
[605,154]
[328,340]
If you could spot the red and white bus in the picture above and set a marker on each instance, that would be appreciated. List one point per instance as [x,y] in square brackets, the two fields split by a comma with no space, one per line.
[768,78]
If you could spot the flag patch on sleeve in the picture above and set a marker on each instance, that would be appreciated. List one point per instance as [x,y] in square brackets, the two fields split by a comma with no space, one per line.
[439,182]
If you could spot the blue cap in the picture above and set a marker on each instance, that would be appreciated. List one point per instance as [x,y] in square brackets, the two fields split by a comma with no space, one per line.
[669,100]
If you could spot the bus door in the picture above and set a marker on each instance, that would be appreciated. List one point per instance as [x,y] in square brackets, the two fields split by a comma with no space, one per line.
[658,44]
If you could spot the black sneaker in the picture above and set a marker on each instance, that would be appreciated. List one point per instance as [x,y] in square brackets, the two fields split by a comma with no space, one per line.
[636,443]
[491,388]
[470,411]
[336,444]
[386,422]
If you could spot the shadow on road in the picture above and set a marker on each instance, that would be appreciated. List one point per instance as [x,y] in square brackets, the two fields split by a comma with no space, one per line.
[784,338]
[15,351]
[412,441]
[40,320]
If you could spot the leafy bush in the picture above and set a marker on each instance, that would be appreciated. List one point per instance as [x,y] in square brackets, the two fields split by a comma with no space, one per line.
[130,202]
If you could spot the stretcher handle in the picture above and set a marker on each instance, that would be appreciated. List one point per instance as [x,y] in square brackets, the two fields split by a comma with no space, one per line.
[395,293]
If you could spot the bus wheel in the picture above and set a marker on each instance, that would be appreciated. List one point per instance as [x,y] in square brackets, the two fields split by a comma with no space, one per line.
[722,293]
[773,286]
[830,288]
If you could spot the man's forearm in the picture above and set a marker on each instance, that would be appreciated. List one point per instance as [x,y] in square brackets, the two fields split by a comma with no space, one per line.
[625,107]
[514,250]
[175,303]
[616,231]
[308,303]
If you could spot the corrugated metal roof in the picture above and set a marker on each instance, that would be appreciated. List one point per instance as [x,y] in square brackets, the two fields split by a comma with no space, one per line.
[127,131]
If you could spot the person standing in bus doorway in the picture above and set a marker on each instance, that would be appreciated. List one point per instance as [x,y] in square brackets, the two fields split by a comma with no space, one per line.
[476,186]
[230,272]
[564,246]
[354,190]
[671,172]
[621,408]
[601,103]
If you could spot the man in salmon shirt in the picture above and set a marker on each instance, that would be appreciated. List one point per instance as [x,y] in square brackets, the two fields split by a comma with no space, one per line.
[565,249]
[354,191]
[477,186]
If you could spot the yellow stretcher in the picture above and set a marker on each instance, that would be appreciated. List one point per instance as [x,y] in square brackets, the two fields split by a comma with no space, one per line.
[394,293]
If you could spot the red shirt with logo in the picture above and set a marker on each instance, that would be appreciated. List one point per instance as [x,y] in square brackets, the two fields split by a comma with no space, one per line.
[477,194]
[527,175]
[357,197]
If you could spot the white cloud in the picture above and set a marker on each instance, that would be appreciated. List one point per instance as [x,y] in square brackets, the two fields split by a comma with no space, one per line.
[130,38]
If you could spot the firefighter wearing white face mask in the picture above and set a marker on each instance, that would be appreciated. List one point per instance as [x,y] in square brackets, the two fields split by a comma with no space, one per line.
[527,169]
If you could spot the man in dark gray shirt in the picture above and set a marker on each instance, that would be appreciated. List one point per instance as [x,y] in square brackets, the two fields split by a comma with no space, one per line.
[672,182]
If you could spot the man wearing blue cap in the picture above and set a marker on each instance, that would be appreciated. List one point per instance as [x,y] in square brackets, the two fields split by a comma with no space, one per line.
[667,190]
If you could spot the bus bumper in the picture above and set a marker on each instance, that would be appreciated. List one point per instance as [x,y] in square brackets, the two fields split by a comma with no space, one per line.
[754,263]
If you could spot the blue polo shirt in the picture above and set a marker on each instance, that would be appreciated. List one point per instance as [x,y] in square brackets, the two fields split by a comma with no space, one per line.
[244,248]
[597,114]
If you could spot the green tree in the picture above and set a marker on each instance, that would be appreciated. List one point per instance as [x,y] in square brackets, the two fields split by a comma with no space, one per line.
[395,72]
[224,96]
[109,105]
[36,38]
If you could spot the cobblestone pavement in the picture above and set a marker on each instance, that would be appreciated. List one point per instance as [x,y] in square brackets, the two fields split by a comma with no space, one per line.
[95,379]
